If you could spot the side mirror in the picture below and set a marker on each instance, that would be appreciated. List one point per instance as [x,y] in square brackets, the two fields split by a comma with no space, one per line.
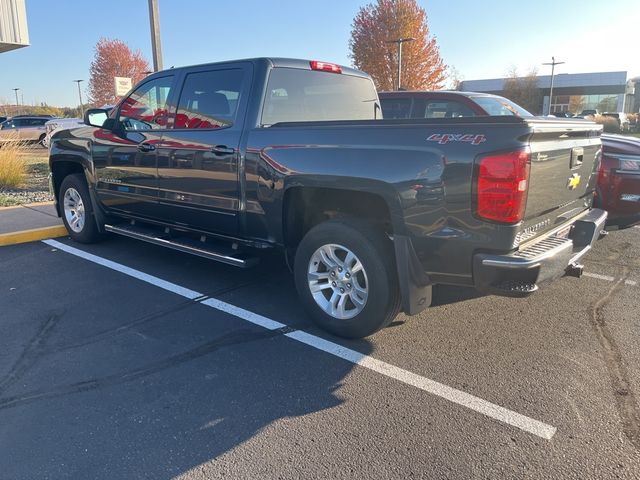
[96,117]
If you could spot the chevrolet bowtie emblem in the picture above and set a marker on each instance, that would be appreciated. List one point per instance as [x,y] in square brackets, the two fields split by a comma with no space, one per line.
[574,181]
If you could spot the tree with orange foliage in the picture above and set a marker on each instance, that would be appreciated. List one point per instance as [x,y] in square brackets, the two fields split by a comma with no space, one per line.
[376,25]
[113,58]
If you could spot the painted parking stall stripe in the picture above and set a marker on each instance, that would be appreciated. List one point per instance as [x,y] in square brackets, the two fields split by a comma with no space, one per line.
[145,277]
[433,387]
[609,278]
[252,317]
[599,277]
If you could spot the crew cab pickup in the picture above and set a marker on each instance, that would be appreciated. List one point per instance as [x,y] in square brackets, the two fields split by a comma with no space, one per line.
[226,159]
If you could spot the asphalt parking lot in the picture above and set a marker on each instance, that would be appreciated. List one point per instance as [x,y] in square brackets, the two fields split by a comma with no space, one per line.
[125,360]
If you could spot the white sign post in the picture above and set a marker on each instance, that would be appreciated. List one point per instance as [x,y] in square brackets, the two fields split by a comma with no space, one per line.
[122,85]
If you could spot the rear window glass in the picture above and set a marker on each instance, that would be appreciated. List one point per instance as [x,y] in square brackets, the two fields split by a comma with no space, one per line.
[295,95]
[500,107]
[443,109]
[396,107]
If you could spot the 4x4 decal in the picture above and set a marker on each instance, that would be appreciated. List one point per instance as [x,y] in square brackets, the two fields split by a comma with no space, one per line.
[444,138]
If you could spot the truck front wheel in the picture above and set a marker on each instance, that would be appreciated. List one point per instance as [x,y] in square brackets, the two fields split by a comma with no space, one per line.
[77,210]
[346,279]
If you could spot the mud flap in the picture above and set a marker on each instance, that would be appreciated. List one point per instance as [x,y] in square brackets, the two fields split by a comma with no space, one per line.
[415,284]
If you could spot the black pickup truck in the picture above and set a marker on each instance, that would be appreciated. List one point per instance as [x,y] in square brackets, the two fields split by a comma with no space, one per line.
[226,159]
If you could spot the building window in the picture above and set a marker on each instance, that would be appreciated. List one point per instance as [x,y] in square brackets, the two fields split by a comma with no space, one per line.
[577,103]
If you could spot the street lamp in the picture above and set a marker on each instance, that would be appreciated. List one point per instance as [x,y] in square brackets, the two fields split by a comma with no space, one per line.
[156,47]
[17,103]
[400,41]
[553,66]
[80,96]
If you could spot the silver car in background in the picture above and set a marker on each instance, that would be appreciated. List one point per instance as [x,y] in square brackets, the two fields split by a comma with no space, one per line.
[23,129]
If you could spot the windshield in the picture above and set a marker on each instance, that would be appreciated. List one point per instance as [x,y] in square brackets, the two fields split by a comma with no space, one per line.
[296,95]
[500,106]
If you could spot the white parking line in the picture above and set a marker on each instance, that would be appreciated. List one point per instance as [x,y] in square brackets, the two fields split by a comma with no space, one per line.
[431,386]
[172,287]
[453,395]
[608,278]
[599,277]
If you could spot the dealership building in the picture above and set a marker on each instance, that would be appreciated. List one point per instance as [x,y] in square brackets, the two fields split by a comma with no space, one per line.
[575,92]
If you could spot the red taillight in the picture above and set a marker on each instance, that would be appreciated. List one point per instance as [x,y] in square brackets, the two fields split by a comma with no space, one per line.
[502,186]
[325,67]
[607,164]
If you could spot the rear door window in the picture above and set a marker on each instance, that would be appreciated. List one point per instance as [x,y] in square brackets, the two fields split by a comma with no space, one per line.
[36,122]
[209,99]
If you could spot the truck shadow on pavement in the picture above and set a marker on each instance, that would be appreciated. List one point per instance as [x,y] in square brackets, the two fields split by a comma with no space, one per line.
[178,391]
[124,394]
[446,294]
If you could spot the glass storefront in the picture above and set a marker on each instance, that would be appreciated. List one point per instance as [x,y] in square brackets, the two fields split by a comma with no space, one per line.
[577,103]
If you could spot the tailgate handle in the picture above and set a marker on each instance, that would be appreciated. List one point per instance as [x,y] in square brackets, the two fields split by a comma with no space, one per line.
[577,157]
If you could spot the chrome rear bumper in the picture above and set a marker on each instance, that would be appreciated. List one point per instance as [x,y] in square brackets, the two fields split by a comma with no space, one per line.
[519,273]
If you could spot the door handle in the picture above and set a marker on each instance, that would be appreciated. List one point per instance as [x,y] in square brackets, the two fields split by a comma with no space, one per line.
[222,150]
[146,147]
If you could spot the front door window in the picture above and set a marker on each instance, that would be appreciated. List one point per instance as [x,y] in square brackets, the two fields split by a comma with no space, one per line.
[146,108]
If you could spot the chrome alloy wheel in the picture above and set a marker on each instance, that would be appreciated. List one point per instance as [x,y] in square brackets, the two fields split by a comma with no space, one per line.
[74,210]
[338,281]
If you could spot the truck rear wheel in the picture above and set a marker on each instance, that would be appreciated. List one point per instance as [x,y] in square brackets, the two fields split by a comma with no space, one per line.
[77,210]
[346,279]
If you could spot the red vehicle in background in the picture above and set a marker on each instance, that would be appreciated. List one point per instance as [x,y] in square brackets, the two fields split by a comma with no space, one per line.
[446,104]
[618,189]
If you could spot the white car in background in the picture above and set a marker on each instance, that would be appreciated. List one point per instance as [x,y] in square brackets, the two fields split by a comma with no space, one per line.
[57,124]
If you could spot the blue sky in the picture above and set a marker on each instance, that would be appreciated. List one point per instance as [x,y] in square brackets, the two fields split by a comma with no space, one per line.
[481,39]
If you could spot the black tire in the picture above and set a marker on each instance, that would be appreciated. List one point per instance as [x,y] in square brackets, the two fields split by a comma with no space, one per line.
[375,251]
[41,141]
[89,232]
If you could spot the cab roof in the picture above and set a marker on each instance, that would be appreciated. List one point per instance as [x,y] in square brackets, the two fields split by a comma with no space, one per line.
[277,62]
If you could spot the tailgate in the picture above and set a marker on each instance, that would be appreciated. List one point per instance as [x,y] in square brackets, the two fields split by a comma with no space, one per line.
[562,177]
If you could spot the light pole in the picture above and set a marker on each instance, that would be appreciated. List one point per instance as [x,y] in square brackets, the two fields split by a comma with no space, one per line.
[154,21]
[400,41]
[553,66]
[80,96]
[17,102]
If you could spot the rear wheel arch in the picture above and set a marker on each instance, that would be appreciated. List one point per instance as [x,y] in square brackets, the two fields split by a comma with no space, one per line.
[305,207]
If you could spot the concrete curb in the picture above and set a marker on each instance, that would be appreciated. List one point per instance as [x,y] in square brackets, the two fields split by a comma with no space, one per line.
[32,235]
[26,205]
